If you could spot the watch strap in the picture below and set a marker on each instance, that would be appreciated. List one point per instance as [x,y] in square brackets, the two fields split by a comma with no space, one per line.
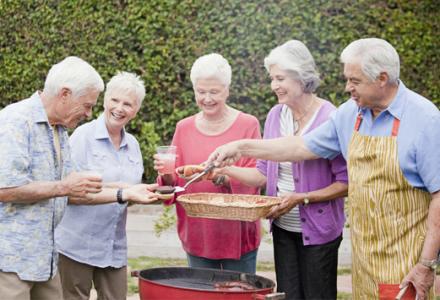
[119,197]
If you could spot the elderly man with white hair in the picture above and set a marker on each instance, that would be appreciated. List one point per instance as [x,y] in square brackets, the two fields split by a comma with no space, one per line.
[389,136]
[210,243]
[91,239]
[36,176]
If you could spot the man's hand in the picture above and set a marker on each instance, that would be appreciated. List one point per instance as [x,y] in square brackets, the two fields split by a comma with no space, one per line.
[78,184]
[422,278]
[288,202]
[225,155]
[141,193]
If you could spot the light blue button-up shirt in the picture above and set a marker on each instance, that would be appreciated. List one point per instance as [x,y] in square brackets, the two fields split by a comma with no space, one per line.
[95,234]
[418,140]
[27,154]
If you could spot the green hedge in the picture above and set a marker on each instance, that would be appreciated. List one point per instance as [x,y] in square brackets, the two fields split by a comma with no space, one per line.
[160,40]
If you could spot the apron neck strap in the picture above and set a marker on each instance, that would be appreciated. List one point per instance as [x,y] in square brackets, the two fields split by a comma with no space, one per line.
[394,131]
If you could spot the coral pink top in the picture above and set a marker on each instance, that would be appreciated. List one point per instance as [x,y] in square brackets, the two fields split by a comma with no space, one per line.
[211,238]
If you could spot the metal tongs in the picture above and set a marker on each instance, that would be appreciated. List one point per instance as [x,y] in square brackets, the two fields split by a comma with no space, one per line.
[178,189]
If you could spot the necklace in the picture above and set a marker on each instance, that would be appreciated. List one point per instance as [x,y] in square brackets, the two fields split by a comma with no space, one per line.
[296,125]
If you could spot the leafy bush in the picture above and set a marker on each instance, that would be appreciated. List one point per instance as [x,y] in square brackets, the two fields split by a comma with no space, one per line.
[160,39]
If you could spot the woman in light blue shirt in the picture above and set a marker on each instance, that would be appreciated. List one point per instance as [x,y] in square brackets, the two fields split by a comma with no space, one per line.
[92,240]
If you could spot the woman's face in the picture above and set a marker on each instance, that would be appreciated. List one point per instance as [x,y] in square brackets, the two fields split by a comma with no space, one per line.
[211,95]
[284,86]
[120,108]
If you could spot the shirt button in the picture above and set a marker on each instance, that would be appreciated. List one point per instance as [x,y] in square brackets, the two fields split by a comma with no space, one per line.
[306,238]
[296,180]
[320,211]
[303,219]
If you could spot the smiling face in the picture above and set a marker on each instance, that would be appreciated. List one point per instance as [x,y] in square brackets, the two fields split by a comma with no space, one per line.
[284,86]
[119,108]
[76,109]
[365,92]
[211,95]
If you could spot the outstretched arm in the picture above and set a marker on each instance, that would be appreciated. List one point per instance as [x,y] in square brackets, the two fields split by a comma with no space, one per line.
[291,148]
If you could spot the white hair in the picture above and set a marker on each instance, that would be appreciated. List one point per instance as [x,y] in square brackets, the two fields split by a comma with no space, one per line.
[294,57]
[211,66]
[375,56]
[75,74]
[127,83]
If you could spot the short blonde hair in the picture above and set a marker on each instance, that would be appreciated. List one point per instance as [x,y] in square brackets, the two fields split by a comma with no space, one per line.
[211,66]
[126,82]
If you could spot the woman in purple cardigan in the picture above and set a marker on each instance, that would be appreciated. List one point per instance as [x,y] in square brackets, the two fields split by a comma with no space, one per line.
[307,225]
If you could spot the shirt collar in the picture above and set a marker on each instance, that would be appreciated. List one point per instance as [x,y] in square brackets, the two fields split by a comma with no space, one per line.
[101,131]
[397,105]
[399,102]
[40,113]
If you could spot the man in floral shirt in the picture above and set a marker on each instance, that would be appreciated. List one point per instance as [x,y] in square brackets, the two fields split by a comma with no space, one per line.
[36,177]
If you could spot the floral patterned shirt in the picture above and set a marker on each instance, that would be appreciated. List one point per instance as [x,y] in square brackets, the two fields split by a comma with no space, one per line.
[27,154]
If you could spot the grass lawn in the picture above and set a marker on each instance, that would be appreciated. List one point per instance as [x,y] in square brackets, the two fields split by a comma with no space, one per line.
[143,262]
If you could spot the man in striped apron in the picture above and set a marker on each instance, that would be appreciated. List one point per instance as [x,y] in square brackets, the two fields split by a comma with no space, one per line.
[390,137]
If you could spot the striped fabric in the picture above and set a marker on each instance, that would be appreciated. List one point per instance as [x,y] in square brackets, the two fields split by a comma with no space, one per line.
[285,185]
[387,215]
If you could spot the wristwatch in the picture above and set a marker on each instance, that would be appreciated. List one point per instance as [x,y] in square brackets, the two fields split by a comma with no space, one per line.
[119,197]
[432,264]
[306,199]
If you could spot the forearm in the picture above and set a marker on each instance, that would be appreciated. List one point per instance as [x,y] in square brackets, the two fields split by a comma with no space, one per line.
[333,191]
[290,148]
[116,185]
[107,195]
[248,176]
[431,246]
[33,192]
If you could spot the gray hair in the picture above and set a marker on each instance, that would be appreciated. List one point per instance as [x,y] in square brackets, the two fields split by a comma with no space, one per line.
[75,74]
[128,83]
[211,66]
[375,56]
[295,58]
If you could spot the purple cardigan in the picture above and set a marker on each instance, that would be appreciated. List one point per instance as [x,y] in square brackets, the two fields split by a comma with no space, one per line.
[321,222]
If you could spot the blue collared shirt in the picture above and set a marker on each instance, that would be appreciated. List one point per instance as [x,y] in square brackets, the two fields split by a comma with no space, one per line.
[95,234]
[418,140]
[27,154]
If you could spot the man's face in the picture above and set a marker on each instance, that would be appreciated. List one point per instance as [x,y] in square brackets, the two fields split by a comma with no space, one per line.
[365,92]
[76,109]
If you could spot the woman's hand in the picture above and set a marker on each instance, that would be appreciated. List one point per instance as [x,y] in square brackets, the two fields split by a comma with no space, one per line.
[140,194]
[288,202]
[158,164]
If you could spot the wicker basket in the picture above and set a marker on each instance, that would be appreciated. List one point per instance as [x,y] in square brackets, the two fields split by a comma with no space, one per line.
[227,206]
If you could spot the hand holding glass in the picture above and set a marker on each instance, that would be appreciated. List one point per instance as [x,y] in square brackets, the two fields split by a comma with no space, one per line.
[168,155]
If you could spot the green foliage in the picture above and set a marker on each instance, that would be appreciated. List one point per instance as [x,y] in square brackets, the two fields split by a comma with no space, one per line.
[165,221]
[160,39]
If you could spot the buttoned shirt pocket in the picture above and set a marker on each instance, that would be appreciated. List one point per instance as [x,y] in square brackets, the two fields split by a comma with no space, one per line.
[99,160]
[135,164]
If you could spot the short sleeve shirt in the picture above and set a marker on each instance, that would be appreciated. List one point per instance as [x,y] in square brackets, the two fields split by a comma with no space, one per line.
[418,139]
[27,154]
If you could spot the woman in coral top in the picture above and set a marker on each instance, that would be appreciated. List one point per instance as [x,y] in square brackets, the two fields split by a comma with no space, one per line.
[211,243]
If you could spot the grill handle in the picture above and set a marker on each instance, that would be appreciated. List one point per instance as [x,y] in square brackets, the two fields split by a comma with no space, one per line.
[272,296]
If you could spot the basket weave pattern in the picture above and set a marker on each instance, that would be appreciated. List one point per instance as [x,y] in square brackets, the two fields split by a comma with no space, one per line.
[227,206]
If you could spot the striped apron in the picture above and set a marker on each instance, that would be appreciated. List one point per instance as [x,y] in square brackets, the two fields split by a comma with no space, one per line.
[387,215]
